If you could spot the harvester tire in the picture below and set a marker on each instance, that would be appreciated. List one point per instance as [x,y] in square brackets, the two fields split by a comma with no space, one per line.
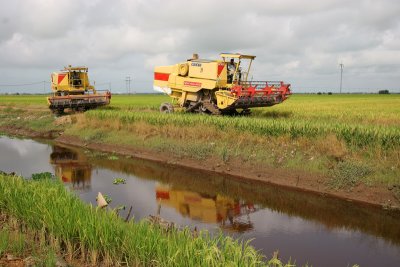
[59,111]
[245,112]
[166,108]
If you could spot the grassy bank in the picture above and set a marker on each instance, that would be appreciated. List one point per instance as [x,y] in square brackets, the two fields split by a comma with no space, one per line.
[49,214]
[21,249]
[348,139]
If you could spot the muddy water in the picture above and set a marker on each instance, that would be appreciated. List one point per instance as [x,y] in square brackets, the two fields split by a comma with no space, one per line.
[308,228]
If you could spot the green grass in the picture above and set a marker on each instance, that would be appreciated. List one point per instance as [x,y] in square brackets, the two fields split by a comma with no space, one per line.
[353,134]
[96,235]
[360,120]
[379,110]
[23,246]
[135,102]
[347,174]
[23,100]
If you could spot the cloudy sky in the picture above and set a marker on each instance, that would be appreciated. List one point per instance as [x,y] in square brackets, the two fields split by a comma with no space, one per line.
[301,42]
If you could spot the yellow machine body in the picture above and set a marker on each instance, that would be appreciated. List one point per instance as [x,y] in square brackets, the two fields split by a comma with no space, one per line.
[72,167]
[73,80]
[72,89]
[223,210]
[216,86]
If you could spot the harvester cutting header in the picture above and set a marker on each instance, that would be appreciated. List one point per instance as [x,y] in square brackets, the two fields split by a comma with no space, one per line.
[72,89]
[216,86]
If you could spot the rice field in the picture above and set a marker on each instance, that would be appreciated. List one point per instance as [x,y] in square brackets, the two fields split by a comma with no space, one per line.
[358,135]
[358,120]
[357,109]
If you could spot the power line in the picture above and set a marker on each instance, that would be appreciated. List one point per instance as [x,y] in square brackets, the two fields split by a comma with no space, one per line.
[24,84]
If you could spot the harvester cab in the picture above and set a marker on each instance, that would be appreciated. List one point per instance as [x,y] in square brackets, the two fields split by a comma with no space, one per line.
[72,89]
[216,86]
[236,71]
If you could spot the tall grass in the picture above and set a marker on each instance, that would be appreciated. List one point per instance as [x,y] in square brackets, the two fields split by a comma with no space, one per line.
[95,235]
[353,134]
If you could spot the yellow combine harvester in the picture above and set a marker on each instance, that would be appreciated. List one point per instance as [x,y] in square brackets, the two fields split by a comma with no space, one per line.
[72,89]
[231,214]
[216,86]
[72,167]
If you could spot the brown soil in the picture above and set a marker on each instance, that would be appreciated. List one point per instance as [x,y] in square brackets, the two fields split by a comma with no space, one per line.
[25,132]
[374,195]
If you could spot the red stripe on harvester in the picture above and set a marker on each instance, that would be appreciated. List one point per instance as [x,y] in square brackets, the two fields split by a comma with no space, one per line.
[60,78]
[161,76]
[162,194]
[221,66]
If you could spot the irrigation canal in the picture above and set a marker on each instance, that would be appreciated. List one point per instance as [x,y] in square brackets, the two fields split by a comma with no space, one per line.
[308,228]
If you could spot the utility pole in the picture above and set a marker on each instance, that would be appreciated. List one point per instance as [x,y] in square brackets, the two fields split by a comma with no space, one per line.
[128,84]
[341,76]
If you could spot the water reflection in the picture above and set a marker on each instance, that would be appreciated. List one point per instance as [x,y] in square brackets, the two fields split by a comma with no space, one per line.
[72,167]
[307,227]
[231,214]
[330,212]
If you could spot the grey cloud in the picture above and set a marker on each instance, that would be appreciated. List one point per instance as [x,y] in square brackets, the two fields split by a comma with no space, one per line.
[294,40]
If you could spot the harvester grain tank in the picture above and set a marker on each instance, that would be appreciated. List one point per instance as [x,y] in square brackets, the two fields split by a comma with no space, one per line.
[217,86]
[72,89]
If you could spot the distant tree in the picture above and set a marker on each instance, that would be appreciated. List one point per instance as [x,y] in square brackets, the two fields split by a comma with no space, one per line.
[383,92]
[329,93]
[319,93]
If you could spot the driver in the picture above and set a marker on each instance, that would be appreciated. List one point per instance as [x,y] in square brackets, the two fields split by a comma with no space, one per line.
[231,70]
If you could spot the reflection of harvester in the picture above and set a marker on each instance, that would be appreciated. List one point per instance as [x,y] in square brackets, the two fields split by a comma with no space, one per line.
[209,209]
[72,167]
[71,89]
[216,86]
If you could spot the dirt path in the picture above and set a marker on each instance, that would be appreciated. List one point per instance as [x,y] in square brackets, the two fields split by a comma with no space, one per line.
[300,181]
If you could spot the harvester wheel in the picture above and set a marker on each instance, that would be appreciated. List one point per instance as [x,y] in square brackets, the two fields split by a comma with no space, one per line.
[245,112]
[230,112]
[60,111]
[203,109]
[166,108]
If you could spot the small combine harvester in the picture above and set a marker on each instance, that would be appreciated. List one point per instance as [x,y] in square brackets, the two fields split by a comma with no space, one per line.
[72,89]
[216,86]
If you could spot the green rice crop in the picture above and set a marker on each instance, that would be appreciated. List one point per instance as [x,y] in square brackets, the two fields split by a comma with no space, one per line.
[96,235]
[353,134]
[23,100]
[360,109]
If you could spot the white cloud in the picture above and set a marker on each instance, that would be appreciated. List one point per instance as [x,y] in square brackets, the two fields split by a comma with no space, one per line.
[297,41]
